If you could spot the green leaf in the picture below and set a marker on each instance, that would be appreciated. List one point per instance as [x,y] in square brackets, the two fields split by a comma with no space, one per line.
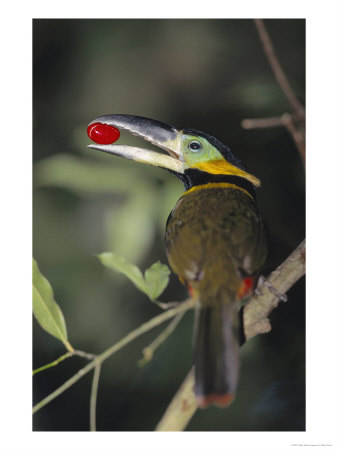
[45,309]
[156,279]
[121,265]
[152,284]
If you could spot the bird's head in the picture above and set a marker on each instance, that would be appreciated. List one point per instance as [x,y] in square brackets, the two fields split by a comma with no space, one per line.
[194,156]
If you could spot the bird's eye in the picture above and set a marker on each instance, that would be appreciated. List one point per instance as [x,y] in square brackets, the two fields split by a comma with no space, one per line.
[195,146]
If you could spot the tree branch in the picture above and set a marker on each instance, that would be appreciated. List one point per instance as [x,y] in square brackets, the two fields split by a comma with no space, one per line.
[265,122]
[278,71]
[183,405]
[152,323]
[148,351]
[93,397]
[181,408]
[285,120]
[261,304]
[298,133]
[294,123]
[54,363]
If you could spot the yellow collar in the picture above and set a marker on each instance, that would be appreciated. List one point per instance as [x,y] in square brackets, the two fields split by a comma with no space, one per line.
[217,185]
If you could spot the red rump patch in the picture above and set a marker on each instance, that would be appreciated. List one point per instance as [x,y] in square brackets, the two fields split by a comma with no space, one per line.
[245,288]
[101,133]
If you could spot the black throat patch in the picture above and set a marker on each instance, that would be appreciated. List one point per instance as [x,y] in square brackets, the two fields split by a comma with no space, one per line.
[195,177]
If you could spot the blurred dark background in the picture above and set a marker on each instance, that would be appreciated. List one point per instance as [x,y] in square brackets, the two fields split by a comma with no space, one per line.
[203,74]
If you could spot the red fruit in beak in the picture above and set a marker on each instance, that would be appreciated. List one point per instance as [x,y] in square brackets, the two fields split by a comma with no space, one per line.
[102,133]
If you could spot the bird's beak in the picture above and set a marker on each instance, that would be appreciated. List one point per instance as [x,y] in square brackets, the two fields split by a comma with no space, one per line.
[158,133]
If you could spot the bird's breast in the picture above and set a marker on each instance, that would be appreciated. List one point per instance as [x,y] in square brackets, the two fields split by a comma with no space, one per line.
[212,234]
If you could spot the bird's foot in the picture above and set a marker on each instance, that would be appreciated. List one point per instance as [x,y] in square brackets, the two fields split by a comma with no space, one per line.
[262,281]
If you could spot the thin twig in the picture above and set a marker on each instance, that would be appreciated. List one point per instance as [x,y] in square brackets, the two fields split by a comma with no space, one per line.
[183,406]
[295,123]
[54,363]
[148,351]
[264,122]
[84,354]
[278,71]
[63,357]
[152,323]
[68,346]
[297,133]
[93,397]
[285,120]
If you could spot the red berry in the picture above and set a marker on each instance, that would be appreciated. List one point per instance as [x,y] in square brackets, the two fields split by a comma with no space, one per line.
[101,133]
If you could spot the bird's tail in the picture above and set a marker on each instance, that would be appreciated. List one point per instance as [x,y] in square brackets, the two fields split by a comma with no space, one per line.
[216,348]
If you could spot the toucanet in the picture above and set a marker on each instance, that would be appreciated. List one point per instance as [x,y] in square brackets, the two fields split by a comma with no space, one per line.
[215,239]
